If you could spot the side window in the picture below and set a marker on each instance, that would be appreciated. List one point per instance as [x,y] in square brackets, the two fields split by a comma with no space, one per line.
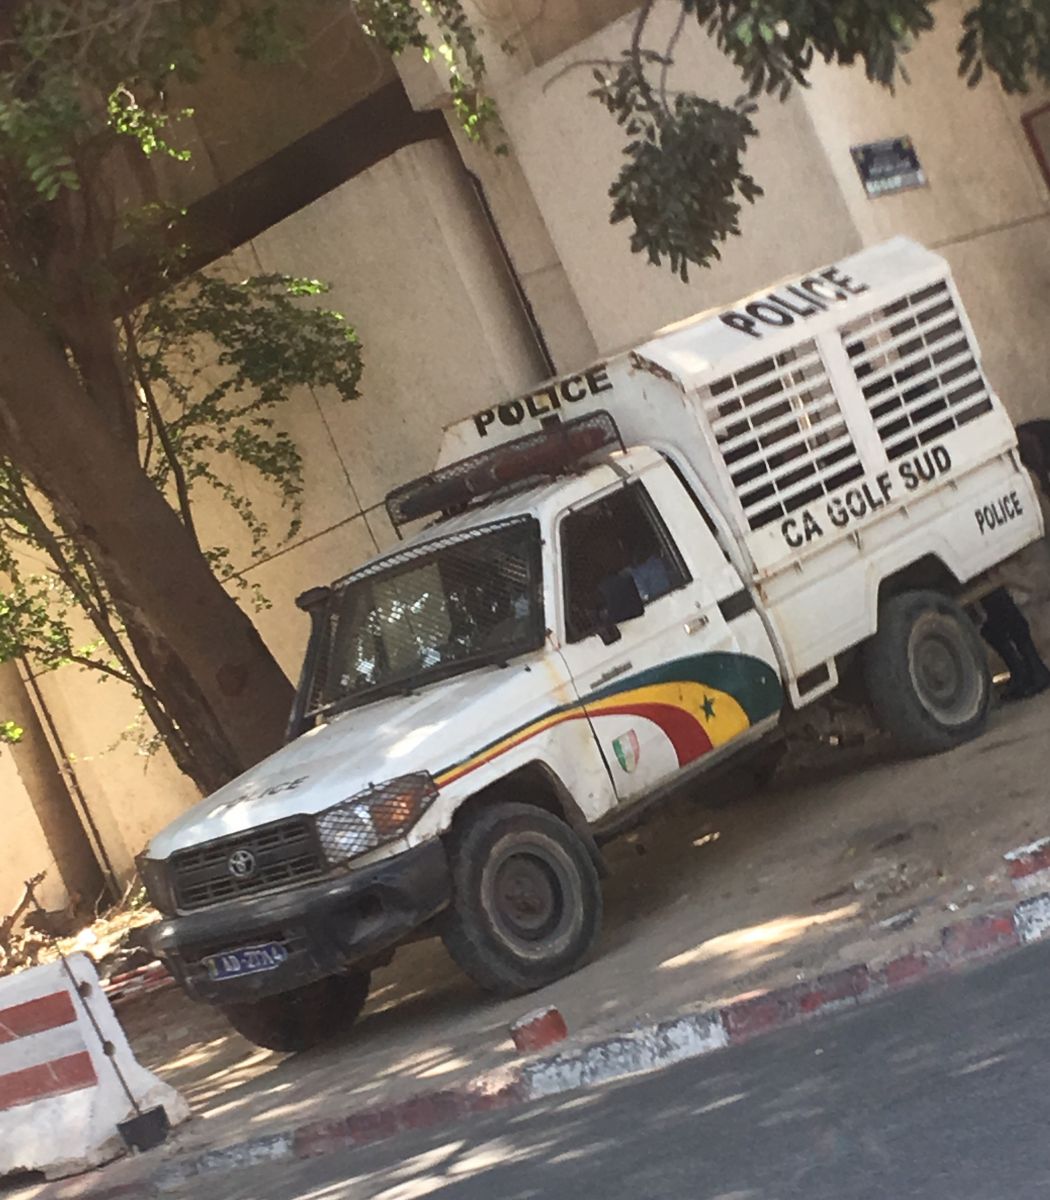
[619,534]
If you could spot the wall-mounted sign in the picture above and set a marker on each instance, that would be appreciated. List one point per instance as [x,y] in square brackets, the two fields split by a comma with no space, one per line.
[889,166]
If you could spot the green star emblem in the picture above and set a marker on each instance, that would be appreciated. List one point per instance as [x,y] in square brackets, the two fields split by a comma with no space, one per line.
[709,707]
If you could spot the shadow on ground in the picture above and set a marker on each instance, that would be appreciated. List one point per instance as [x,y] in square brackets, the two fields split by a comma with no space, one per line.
[723,892]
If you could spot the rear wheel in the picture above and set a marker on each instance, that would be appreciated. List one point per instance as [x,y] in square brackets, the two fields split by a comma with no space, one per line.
[927,673]
[527,901]
[304,1017]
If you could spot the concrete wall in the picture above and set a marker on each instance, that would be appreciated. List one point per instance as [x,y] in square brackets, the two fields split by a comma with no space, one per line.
[985,208]
[42,831]
[244,114]
[26,851]
[569,150]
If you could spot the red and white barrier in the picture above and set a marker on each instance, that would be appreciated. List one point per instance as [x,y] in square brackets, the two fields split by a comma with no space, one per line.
[143,981]
[60,1097]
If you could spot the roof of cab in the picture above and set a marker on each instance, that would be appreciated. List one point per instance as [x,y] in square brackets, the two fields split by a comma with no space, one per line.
[537,501]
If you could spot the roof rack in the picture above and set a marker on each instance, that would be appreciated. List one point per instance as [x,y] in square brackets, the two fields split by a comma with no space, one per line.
[559,448]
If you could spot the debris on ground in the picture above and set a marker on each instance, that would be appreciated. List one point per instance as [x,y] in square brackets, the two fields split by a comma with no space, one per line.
[29,935]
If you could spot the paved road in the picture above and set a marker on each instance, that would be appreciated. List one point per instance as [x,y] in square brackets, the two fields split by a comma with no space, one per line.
[940,1093]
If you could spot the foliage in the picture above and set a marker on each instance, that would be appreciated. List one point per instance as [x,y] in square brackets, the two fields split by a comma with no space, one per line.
[399,25]
[217,359]
[200,371]
[213,361]
[684,177]
[684,170]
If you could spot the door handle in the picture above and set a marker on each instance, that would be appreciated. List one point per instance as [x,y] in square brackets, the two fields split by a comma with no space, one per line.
[610,675]
[695,624]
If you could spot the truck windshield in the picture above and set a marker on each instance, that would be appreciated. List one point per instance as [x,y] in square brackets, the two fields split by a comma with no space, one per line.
[434,611]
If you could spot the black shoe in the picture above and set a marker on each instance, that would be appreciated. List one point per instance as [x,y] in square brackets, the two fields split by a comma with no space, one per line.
[1036,675]
[1019,688]
[1040,681]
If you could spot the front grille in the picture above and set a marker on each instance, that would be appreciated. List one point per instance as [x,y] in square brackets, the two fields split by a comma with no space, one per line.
[284,853]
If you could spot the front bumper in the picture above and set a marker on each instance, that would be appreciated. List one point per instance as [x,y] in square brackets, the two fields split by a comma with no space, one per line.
[325,928]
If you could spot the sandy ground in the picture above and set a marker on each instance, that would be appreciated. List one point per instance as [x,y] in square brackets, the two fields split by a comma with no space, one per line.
[849,857]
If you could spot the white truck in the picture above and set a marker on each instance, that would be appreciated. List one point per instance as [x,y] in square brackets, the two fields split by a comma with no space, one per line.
[628,575]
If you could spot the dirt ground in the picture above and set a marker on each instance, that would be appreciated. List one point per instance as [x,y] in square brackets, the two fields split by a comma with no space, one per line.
[852,858]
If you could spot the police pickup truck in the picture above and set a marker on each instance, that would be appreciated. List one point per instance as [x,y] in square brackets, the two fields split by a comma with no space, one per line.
[608,586]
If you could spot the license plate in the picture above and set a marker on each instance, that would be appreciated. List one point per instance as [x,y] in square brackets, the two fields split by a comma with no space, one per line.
[248,960]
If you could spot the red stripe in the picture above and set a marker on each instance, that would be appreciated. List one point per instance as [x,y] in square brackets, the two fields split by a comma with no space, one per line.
[70,1074]
[685,732]
[36,1016]
[688,737]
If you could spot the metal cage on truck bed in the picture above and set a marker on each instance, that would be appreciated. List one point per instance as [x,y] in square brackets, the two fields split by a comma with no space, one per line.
[805,410]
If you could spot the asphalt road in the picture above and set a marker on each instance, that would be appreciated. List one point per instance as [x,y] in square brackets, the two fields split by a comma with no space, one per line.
[940,1092]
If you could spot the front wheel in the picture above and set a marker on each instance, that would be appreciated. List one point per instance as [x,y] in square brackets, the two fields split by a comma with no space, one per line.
[304,1017]
[927,673]
[526,903]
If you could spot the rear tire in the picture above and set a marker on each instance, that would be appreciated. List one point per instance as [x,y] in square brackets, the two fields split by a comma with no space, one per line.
[927,674]
[526,899]
[305,1017]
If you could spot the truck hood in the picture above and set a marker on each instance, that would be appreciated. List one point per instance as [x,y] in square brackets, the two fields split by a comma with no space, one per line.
[429,731]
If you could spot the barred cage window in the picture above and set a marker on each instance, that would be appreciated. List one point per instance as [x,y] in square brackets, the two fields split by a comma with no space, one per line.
[430,612]
[918,369]
[616,537]
[781,433]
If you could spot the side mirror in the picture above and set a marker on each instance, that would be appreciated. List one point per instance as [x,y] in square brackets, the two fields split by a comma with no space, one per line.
[621,599]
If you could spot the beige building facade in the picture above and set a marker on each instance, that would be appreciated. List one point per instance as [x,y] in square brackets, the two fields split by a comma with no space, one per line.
[470,277]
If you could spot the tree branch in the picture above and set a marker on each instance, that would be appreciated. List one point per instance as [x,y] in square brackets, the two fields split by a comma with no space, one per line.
[157,421]
[669,54]
[83,661]
[644,86]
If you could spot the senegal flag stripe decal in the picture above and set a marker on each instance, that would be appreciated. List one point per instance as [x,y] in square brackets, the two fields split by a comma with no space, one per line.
[685,733]
[699,703]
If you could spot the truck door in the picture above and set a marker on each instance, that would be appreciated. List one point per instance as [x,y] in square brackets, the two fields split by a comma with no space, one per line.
[668,657]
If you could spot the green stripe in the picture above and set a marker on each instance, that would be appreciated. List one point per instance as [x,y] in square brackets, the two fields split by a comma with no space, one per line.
[752,683]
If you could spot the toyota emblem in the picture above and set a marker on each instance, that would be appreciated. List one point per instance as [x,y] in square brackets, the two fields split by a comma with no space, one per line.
[241,864]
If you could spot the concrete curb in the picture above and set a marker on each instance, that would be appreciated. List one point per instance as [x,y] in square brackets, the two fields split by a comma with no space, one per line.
[635,1051]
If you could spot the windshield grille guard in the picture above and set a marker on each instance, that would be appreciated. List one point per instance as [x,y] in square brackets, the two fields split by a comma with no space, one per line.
[515,557]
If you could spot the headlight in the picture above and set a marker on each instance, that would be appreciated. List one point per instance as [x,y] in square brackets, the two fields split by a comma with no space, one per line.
[371,818]
[154,875]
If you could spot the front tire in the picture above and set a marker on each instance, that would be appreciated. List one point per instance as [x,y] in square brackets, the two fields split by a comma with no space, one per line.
[526,899]
[927,673]
[304,1017]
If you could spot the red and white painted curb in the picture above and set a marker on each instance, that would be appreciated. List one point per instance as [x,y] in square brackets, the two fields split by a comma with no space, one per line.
[636,1051]
[42,1051]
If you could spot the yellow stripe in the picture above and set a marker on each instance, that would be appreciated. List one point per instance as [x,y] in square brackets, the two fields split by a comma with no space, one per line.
[506,744]
[728,720]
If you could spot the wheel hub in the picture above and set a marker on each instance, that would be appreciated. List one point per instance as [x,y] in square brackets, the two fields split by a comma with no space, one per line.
[942,673]
[528,899]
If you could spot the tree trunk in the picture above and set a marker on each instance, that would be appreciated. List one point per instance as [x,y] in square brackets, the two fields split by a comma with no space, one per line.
[53,432]
[204,753]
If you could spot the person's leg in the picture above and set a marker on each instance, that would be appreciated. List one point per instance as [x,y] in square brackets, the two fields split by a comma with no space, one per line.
[1009,635]
[995,632]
